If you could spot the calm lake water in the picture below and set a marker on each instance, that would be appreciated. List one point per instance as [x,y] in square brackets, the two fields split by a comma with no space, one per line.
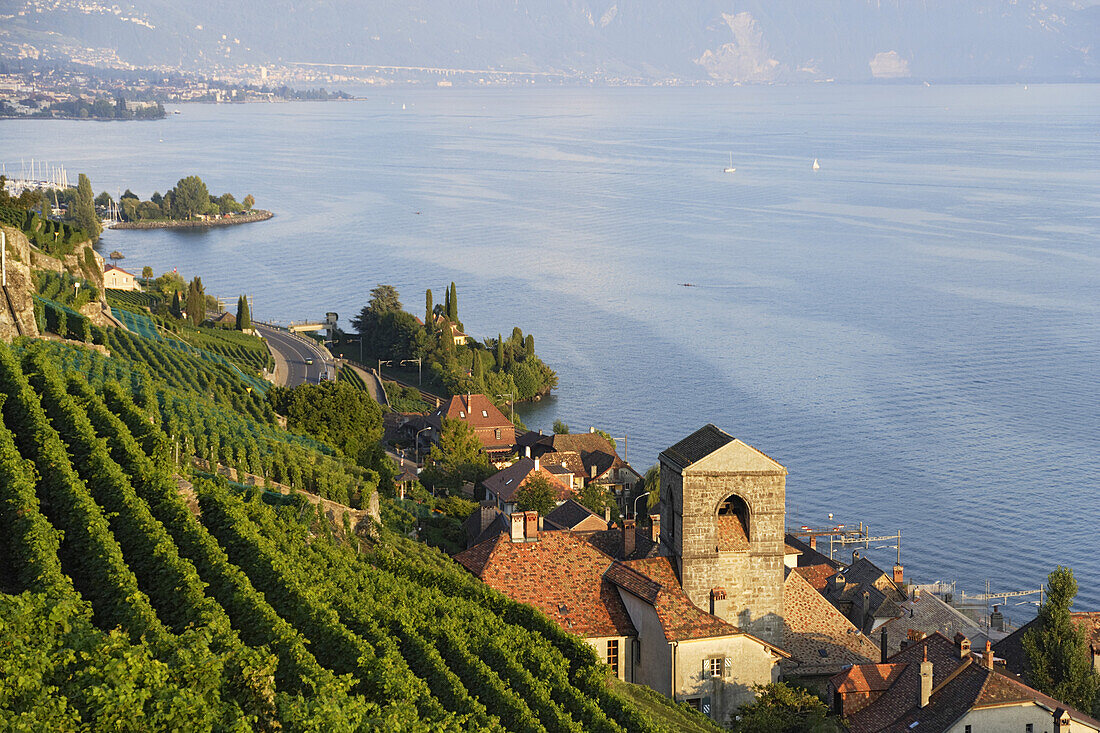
[913,330]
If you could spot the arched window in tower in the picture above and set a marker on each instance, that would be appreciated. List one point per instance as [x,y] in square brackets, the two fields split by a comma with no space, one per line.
[733,524]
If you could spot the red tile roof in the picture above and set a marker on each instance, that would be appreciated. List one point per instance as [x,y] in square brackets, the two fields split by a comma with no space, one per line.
[560,574]
[816,575]
[477,411]
[818,636]
[867,678]
[680,618]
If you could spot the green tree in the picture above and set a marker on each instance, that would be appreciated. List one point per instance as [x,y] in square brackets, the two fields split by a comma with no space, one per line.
[529,346]
[458,455]
[337,413]
[560,428]
[244,318]
[147,272]
[103,199]
[452,304]
[248,202]
[500,352]
[1059,662]
[536,494]
[177,308]
[783,708]
[83,209]
[598,497]
[428,309]
[189,198]
[196,302]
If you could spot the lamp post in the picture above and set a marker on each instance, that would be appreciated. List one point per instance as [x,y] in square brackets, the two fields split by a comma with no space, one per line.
[380,363]
[417,443]
[511,405]
[419,374]
[640,496]
[360,340]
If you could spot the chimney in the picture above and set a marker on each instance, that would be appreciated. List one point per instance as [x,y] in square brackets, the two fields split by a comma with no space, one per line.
[628,537]
[987,660]
[536,465]
[607,514]
[997,619]
[884,646]
[813,542]
[925,679]
[592,430]
[655,528]
[527,451]
[962,645]
[531,525]
[866,605]
[899,575]
[517,527]
[592,471]
[1062,721]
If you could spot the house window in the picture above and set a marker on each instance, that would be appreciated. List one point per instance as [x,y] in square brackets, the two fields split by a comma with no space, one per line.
[613,655]
[462,414]
[496,433]
[714,666]
[695,702]
[967,729]
[1029,728]
[484,413]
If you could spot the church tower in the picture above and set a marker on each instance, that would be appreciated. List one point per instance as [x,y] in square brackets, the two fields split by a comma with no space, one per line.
[723,504]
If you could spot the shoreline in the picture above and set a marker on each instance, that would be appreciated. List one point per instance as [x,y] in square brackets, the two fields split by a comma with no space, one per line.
[258,215]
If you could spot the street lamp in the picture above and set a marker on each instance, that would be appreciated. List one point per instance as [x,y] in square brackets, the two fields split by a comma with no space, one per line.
[511,404]
[640,496]
[360,340]
[416,441]
[419,362]
[380,363]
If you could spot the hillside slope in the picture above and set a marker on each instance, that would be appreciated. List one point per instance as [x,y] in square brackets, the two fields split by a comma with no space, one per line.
[752,40]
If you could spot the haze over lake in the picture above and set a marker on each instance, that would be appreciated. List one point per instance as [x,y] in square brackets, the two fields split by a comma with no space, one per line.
[913,330]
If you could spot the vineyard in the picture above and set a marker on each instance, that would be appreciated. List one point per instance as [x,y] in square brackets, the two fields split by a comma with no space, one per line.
[124,608]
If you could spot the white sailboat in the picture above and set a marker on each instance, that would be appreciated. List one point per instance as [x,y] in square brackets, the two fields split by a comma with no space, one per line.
[816,166]
[730,169]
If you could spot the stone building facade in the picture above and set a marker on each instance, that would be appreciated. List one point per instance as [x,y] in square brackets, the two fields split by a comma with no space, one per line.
[723,505]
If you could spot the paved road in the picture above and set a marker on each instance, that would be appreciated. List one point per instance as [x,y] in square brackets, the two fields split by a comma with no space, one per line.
[291,353]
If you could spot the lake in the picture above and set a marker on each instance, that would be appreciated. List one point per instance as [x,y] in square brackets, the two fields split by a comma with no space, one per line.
[913,330]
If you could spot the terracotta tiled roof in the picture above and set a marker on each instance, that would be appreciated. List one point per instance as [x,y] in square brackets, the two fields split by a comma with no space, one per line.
[594,450]
[505,483]
[108,268]
[560,574]
[816,575]
[958,685]
[610,542]
[477,411]
[818,636]
[631,580]
[680,618]
[867,678]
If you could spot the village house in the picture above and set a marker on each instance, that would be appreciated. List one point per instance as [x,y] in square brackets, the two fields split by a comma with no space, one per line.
[494,431]
[589,457]
[936,685]
[501,487]
[633,613]
[115,278]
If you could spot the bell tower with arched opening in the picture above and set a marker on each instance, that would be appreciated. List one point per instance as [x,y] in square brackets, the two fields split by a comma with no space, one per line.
[723,505]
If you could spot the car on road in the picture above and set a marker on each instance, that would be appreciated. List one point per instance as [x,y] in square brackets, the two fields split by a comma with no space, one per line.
[309,361]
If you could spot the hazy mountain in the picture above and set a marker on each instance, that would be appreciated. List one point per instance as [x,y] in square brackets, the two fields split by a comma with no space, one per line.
[752,40]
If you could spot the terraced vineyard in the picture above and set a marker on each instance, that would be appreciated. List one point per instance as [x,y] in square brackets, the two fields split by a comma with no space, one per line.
[243,616]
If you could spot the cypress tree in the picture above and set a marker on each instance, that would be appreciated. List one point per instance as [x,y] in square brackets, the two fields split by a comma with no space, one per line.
[452,303]
[83,208]
[177,308]
[428,309]
[447,303]
[478,369]
[244,318]
[1059,662]
[196,302]
[529,345]
[500,352]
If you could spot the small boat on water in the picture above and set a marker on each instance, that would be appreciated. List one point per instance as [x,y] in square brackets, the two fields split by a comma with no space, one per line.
[730,169]
[816,166]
